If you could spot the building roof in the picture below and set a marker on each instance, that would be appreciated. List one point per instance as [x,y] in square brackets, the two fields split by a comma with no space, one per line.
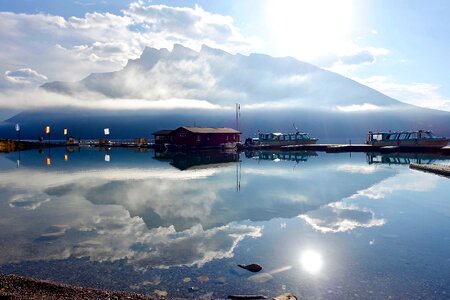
[210,129]
[162,132]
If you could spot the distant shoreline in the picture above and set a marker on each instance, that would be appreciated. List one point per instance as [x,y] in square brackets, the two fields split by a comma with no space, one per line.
[18,287]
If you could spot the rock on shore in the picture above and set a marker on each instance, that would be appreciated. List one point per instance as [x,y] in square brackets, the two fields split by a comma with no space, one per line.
[17,287]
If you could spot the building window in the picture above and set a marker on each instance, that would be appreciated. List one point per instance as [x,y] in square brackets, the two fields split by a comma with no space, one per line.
[198,138]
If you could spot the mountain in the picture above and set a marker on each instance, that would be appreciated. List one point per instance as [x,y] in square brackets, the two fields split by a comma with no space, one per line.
[274,93]
[222,78]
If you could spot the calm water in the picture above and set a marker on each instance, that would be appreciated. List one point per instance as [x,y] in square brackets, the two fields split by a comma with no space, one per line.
[330,226]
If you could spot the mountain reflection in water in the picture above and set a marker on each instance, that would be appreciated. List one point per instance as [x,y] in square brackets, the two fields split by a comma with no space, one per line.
[154,211]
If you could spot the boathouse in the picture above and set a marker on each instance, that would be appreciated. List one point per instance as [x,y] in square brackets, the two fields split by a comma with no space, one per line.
[198,137]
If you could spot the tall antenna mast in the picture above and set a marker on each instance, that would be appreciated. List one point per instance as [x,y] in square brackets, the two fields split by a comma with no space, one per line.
[238,114]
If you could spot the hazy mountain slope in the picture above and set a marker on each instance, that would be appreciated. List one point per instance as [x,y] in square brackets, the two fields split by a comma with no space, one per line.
[223,78]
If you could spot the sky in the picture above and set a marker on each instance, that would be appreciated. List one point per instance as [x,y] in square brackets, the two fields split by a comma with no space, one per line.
[400,47]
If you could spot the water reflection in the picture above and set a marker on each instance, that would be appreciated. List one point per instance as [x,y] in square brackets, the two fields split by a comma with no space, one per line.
[405,158]
[338,217]
[163,211]
[311,261]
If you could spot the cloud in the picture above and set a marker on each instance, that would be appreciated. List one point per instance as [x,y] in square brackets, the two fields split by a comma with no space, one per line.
[359,107]
[32,98]
[25,76]
[106,232]
[352,57]
[420,94]
[360,58]
[357,169]
[336,217]
[406,181]
[69,49]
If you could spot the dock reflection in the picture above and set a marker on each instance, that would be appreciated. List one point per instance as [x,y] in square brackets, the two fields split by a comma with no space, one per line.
[404,158]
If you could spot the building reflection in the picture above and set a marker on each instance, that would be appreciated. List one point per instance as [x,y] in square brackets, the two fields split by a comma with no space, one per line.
[198,160]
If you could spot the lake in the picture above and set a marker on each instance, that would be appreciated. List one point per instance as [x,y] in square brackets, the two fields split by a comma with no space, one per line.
[322,226]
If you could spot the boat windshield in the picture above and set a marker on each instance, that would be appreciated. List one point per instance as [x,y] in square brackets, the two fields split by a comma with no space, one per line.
[427,135]
[392,136]
[403,136]
[414,136]
[377,137]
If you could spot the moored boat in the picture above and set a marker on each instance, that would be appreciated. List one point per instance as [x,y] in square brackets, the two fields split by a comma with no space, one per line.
[419,138]
[285,139]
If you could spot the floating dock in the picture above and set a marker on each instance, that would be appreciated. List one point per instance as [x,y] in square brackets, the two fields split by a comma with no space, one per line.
[443,170]
[337,148]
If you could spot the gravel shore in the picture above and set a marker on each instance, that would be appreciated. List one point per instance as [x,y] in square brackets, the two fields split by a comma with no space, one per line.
[17,287]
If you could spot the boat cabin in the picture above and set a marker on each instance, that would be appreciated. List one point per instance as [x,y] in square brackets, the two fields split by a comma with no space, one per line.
[420,138]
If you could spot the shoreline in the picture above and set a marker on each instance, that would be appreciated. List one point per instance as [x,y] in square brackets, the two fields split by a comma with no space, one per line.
[19,287]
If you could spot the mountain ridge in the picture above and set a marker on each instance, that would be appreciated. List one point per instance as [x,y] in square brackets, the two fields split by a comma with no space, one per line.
[223,78]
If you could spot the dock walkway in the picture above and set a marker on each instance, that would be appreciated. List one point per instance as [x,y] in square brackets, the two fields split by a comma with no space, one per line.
[443,170]
[336,148]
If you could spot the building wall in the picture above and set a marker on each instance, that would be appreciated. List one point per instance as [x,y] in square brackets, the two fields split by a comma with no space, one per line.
[162,139]
[182,136]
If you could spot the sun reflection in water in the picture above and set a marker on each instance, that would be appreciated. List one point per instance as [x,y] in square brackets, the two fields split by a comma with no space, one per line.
[311,261]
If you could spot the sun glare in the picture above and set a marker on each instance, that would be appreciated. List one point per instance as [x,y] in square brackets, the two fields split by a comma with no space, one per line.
[308,27]
[311,261]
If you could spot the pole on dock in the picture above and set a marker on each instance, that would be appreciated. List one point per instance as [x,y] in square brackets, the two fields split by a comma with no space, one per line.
[65,132]
[18,132]
[107,134]
[238,115]
[47,132]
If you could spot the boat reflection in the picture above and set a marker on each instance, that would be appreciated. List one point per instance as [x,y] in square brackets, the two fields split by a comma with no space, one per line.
[404,158]
[297,156]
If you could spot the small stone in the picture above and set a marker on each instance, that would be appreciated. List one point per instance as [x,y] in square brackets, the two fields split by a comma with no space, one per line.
[152,281]
[286,296]
[203,278]
[252,267]
[160,293]
[187,279]
[261,278]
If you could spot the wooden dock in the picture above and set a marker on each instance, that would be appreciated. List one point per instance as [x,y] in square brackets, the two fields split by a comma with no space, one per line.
[337,148]
[443,170]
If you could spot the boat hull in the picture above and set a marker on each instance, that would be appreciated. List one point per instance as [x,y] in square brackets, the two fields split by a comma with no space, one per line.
[436,143]
[289,143]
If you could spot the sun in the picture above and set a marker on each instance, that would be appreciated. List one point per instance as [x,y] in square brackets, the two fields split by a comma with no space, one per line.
[308,27]
[311,261]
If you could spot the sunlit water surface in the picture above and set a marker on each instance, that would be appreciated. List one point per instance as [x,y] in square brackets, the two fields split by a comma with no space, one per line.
[321,225]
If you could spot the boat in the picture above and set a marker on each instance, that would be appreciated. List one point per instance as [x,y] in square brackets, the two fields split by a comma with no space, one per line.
[285,139]
[419,138]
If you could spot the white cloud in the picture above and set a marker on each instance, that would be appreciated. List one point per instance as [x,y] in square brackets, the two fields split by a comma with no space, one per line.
[69,49]
[419,94]
[30,98]
[358,169]
[336,217]
[359,107]
[25,76]
[72,209]
[351,57]
[406,181]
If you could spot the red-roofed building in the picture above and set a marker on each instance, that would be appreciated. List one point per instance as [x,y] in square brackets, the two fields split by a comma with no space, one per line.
[198,137]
